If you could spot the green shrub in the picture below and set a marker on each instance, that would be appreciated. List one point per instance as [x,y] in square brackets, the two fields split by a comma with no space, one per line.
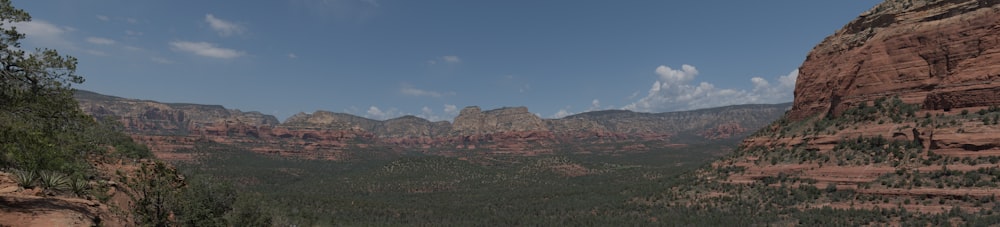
[53,181]
[79,186]
[24,178]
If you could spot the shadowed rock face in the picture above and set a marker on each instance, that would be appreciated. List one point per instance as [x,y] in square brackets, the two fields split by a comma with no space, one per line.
[513,130]
[944,54]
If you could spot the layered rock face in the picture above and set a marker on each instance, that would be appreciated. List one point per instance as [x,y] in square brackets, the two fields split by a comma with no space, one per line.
[511,130]
[473,121]
[160,118]
[943,54]
[891,106]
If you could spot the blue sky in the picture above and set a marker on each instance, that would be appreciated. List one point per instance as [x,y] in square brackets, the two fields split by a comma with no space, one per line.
[387,58]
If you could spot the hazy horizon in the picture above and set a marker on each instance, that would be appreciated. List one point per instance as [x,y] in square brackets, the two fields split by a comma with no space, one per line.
[383,59]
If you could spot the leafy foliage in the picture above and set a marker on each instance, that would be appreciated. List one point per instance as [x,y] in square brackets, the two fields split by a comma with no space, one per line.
[41,125]
[25,178]
[47,140]
[53,181]
[38,116]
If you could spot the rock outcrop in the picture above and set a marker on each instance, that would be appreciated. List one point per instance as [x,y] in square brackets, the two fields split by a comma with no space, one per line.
[169,119]
[943,54]
[890,106]
[168,128]
[471,120]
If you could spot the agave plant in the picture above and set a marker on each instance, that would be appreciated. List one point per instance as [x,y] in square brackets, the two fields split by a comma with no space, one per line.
[79,186]
[53,181]
[25,179]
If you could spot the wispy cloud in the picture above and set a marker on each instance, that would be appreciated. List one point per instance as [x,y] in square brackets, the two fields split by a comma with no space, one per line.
[675,90]
[379,114]
[103,18]
[100,41]
[412,91]
[45,34]
[451,59]
[450,109]
[448,59]
[206,49]
[428,113]
[562,113]
[292,56]
[223,27]
[595,105]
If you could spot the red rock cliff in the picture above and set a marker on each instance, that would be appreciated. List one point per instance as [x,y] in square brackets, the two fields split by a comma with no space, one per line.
[326,135]
[943,54]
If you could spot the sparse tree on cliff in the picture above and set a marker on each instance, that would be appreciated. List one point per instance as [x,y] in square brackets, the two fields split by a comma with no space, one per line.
[37,109]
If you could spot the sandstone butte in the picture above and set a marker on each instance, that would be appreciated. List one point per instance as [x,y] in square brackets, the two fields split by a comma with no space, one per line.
[168,128]
[942,54]
[940,57]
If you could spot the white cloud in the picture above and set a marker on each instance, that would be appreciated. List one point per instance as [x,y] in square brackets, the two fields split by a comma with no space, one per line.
[132,20]
[633,95]
[668,75]
[224,28]
[759,83]
[562,113]
[374,111]
[103,18]
[451,59]
[789,80]
[411,91]
[595,105]
[206,49]
[378,114]
[132,33]
[450,109]
[674,91]
[100,41]
[45,34]
[428,113]
[292,56]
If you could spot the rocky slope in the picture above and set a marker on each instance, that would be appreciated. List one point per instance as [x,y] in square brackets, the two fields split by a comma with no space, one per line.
[168,128]
[942,54]
[895,111]
[111,200]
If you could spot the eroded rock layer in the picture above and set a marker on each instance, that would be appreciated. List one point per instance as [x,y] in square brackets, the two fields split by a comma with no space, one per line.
[168,128]
[899,109]
[944,53]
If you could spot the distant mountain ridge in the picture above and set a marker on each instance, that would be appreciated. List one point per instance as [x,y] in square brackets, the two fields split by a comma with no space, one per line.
[509,129]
